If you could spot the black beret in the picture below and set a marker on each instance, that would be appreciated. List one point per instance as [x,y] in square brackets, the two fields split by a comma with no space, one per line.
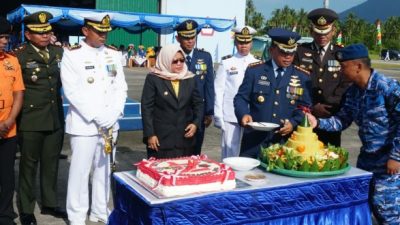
[5,26]
[354,51]
[38,22]
[187,29]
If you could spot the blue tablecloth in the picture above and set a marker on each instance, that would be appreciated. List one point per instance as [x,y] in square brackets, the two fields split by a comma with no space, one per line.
[339,200]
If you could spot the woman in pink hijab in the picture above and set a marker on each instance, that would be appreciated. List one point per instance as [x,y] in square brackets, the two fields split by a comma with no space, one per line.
[171,106]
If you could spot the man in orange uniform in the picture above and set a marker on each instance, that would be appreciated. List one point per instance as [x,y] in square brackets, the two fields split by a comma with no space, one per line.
[11,96]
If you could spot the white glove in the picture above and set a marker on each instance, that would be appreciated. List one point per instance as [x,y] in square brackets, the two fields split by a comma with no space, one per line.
[218,123]
[104,120]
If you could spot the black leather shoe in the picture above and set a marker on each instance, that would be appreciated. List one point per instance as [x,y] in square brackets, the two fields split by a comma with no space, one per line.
[54,211]
[28,219]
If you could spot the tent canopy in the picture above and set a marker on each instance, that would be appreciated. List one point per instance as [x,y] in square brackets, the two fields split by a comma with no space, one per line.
[71,18]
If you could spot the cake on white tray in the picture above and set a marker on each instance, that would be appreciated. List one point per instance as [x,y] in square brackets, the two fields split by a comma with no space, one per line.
[185,175]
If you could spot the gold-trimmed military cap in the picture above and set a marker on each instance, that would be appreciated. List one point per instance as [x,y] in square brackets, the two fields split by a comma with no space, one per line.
[285,40]
[244,34]
[38,22]
[322,20]
[187,29]
[99,21]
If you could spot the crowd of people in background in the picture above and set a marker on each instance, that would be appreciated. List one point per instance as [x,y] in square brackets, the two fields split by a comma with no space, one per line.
[181,98]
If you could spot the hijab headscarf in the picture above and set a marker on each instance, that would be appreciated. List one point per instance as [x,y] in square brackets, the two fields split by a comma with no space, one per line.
[164,62]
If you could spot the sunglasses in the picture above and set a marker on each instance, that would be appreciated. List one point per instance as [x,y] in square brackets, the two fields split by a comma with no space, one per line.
[5,36]
[175,61]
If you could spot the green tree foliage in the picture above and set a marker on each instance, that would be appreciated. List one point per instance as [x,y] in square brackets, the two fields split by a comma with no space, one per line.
[253,18]
[289,18]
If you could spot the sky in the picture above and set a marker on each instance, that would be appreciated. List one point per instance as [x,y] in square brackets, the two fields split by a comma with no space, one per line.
[267,6]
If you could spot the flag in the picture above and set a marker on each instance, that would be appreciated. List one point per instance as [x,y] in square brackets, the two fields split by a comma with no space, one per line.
[378,33]
[339,39]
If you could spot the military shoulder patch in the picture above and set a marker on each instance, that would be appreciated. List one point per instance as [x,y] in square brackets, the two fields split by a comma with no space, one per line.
[226,57]
[74,47]
[302,70]
[111,47]
[256,63]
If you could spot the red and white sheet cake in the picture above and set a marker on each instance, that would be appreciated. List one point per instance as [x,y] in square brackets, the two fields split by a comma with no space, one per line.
[186,175]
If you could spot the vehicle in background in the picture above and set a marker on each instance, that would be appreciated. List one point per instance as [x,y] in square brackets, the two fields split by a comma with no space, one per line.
[393,54]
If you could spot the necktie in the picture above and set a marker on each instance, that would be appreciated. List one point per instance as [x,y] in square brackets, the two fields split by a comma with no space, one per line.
[44,55]
[279,74]
[188,60]
[321,54]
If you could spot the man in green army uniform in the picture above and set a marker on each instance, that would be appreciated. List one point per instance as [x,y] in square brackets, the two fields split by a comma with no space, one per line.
[41,121]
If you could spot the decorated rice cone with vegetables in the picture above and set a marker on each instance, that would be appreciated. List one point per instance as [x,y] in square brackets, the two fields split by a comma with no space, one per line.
[304,152]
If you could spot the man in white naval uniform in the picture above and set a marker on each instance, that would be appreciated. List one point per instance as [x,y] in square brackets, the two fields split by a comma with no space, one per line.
[229,77]
[94,84]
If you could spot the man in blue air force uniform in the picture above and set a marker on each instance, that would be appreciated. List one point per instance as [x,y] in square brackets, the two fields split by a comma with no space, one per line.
[229,77]
[373,103]
[200,63]
[271,92]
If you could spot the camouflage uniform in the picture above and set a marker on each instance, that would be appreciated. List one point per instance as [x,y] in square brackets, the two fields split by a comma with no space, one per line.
[376,110]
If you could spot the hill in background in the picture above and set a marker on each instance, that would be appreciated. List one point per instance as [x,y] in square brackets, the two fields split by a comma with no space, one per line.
[372,10]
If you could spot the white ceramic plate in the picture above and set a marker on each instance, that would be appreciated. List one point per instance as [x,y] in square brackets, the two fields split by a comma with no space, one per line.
[263,126]
[241,163]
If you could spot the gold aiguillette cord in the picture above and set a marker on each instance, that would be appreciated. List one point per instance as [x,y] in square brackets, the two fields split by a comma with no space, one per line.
[108,138]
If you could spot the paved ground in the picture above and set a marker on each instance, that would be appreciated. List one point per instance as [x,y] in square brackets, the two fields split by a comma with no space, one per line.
[131,149]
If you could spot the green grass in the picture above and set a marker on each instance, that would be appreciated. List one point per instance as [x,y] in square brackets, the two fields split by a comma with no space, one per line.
[382,65]
[374,56]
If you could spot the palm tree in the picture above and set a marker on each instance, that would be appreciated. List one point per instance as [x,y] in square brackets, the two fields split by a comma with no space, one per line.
[250,9]
[302,22]
[257,21]
[349,26]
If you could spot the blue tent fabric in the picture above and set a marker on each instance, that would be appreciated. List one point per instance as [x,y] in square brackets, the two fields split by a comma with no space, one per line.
[130,21]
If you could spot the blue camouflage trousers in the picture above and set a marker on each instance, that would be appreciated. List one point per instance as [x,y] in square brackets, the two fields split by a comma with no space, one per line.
[385,198]
[384,193]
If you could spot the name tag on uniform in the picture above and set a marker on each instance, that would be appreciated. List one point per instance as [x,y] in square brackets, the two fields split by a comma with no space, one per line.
[233,70]
[31,65]
[89,67]
[264,82]
[307,60]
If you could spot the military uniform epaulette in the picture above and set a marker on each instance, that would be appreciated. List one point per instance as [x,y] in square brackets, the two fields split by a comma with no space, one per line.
[256,63]
[302,69]
[226,57]
[201,49]
[19,48]
[74,47]
[111,47]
